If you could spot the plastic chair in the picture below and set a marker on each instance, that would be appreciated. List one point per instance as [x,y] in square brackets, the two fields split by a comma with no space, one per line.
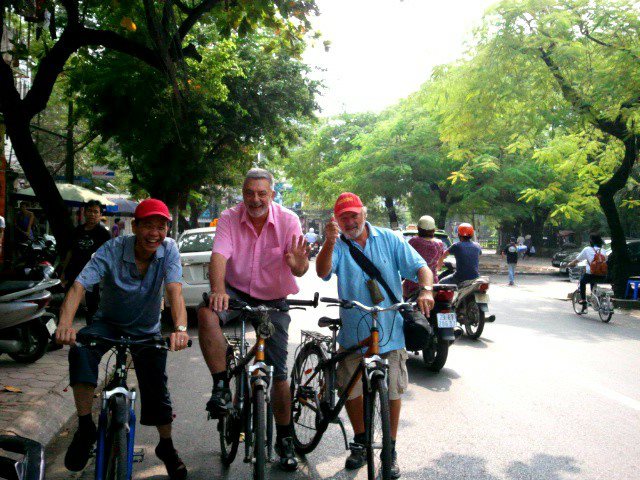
[632,283]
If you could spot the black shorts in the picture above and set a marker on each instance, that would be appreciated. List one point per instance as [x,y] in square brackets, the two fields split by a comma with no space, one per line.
[155,402]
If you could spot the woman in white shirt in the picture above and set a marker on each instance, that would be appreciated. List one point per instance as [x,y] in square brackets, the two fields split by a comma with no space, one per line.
[588,254]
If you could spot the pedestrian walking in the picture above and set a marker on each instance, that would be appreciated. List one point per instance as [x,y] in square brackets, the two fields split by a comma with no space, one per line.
[511,251]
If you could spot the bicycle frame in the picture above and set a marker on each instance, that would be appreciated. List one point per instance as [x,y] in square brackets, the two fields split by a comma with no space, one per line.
[116,387]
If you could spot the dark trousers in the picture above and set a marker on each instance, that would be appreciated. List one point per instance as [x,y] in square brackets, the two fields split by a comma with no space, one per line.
[591,280]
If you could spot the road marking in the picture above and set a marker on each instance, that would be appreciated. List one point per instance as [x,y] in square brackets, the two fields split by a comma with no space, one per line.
[615,396]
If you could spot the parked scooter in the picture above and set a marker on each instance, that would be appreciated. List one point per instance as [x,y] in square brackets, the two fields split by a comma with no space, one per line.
[442,319]
[26,327]
[471,303]
[37,259]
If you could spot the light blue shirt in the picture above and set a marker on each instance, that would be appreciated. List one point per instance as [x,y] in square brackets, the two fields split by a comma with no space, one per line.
[393,257]
[128,300]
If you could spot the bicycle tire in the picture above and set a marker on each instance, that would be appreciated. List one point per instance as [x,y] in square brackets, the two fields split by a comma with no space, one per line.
[606,310]
[118,457]
[230,424]
[575,301]
[259,411]
[378,430]
[305,421]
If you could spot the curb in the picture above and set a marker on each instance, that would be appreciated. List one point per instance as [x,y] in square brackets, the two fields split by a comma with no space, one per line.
[48,415]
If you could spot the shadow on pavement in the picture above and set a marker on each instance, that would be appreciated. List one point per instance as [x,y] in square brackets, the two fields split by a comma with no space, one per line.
[419,375]
[465,341]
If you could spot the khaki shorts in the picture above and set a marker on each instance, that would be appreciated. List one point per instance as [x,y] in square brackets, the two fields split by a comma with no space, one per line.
[398,375]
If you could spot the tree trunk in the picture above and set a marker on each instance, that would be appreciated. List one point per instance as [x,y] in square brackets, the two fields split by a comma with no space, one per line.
[391,209]
[441,220]
[195,213]
[39,177]
[69,173]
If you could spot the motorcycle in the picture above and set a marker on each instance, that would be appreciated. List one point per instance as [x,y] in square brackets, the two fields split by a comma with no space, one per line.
[26,327]
[442,319]
[471,303]
[37,258]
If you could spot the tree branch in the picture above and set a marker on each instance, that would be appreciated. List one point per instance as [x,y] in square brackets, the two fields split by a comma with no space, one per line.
[82,145]
[73,14]
[615,128]
[585,31]
[195,15]
[183,6]
[117,42]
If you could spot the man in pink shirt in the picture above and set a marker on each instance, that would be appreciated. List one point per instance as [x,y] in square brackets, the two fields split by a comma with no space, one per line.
[257,252]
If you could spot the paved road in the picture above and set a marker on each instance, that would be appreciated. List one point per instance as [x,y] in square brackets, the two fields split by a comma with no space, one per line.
[543,395]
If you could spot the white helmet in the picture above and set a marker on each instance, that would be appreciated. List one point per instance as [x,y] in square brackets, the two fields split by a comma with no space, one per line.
[311,230]
[426,223]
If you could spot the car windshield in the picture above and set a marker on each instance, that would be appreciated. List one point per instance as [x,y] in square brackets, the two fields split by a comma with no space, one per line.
[196,242]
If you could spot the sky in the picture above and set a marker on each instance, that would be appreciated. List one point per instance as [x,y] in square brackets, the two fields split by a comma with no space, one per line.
[383,50]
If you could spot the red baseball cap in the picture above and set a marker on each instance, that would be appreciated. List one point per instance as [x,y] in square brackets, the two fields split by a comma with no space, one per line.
[151,207]
[347,202]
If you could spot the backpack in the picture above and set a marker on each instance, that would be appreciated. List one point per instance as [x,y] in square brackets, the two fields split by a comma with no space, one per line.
[598,265]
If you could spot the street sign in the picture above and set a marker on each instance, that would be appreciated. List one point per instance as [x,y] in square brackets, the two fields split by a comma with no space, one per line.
[102,172]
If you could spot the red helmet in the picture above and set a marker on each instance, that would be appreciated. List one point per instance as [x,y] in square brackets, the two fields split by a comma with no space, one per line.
[465,230]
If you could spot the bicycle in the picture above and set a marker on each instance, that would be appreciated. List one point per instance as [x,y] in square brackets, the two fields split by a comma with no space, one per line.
[249,413]
[599,299]
[114,452]
[313,384]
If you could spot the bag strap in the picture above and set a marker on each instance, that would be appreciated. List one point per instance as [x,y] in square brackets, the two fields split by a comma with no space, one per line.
[369,268]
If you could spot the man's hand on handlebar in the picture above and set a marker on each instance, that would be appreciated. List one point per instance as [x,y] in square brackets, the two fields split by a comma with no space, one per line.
[218,302]
[65,336]
[179,341]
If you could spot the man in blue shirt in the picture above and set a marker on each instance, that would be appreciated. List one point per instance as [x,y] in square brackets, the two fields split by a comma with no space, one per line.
[133,271]
[394,258]
[467,253]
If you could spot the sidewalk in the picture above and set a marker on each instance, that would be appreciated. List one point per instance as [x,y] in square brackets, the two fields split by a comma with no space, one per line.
[491,263]
[41,407]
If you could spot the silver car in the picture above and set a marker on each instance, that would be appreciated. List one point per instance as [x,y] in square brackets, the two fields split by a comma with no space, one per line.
[195,254]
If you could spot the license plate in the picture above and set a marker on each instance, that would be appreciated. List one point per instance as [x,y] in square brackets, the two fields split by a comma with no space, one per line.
[205,272]
[51,326]
[447,320]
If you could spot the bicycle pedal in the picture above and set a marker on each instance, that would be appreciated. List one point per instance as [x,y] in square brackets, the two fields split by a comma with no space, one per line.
[138,455]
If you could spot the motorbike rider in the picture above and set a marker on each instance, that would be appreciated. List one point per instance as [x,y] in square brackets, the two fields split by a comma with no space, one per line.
[393,257]
[133,270]
[467,254]
[87,238]
[258,251]
[588,254]
[429,248]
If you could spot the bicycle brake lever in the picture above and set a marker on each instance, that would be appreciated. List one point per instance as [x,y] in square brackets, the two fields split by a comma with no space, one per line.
[297,308]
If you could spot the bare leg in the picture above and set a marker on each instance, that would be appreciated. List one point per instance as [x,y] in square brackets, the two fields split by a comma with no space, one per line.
[164,430]
[83,396]
[395,406]
[355,410]
[282,402]
[212,342]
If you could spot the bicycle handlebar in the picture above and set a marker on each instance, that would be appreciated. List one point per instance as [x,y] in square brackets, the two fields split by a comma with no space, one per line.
[402,306]
[239,305]
[92,340]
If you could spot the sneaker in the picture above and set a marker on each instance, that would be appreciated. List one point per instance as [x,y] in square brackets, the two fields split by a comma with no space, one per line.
[284,448]
[395,469]
[80,449]
[176,468]
[217,404]
[357,458]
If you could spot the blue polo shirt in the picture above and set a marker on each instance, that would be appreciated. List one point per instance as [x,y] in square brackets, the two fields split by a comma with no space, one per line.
[128,300]
[394,258]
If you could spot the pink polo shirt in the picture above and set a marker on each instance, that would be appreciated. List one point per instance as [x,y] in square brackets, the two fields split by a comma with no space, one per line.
[256,264]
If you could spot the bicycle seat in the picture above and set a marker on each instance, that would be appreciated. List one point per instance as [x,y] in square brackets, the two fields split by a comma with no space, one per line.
[327,322]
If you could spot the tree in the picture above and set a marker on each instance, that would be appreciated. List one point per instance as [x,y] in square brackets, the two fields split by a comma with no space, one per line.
[161,41]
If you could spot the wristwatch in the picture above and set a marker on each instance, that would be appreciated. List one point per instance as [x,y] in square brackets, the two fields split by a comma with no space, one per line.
[427,288]
[181,328]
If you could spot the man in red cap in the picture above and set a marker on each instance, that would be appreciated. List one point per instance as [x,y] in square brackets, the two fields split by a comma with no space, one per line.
[133,269]
[394,259]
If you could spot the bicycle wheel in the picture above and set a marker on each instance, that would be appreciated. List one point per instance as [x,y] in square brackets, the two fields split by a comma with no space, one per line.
[118,454]
[229,425]
[378,429]
[474,320]
[606,309]
[307,390]
[575,301]
[259,412]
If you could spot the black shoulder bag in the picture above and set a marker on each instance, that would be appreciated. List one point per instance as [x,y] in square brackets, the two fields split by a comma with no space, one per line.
[416,327]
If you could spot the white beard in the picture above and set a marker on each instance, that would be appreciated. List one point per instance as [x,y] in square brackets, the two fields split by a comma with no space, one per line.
[261,213]
[353,236]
